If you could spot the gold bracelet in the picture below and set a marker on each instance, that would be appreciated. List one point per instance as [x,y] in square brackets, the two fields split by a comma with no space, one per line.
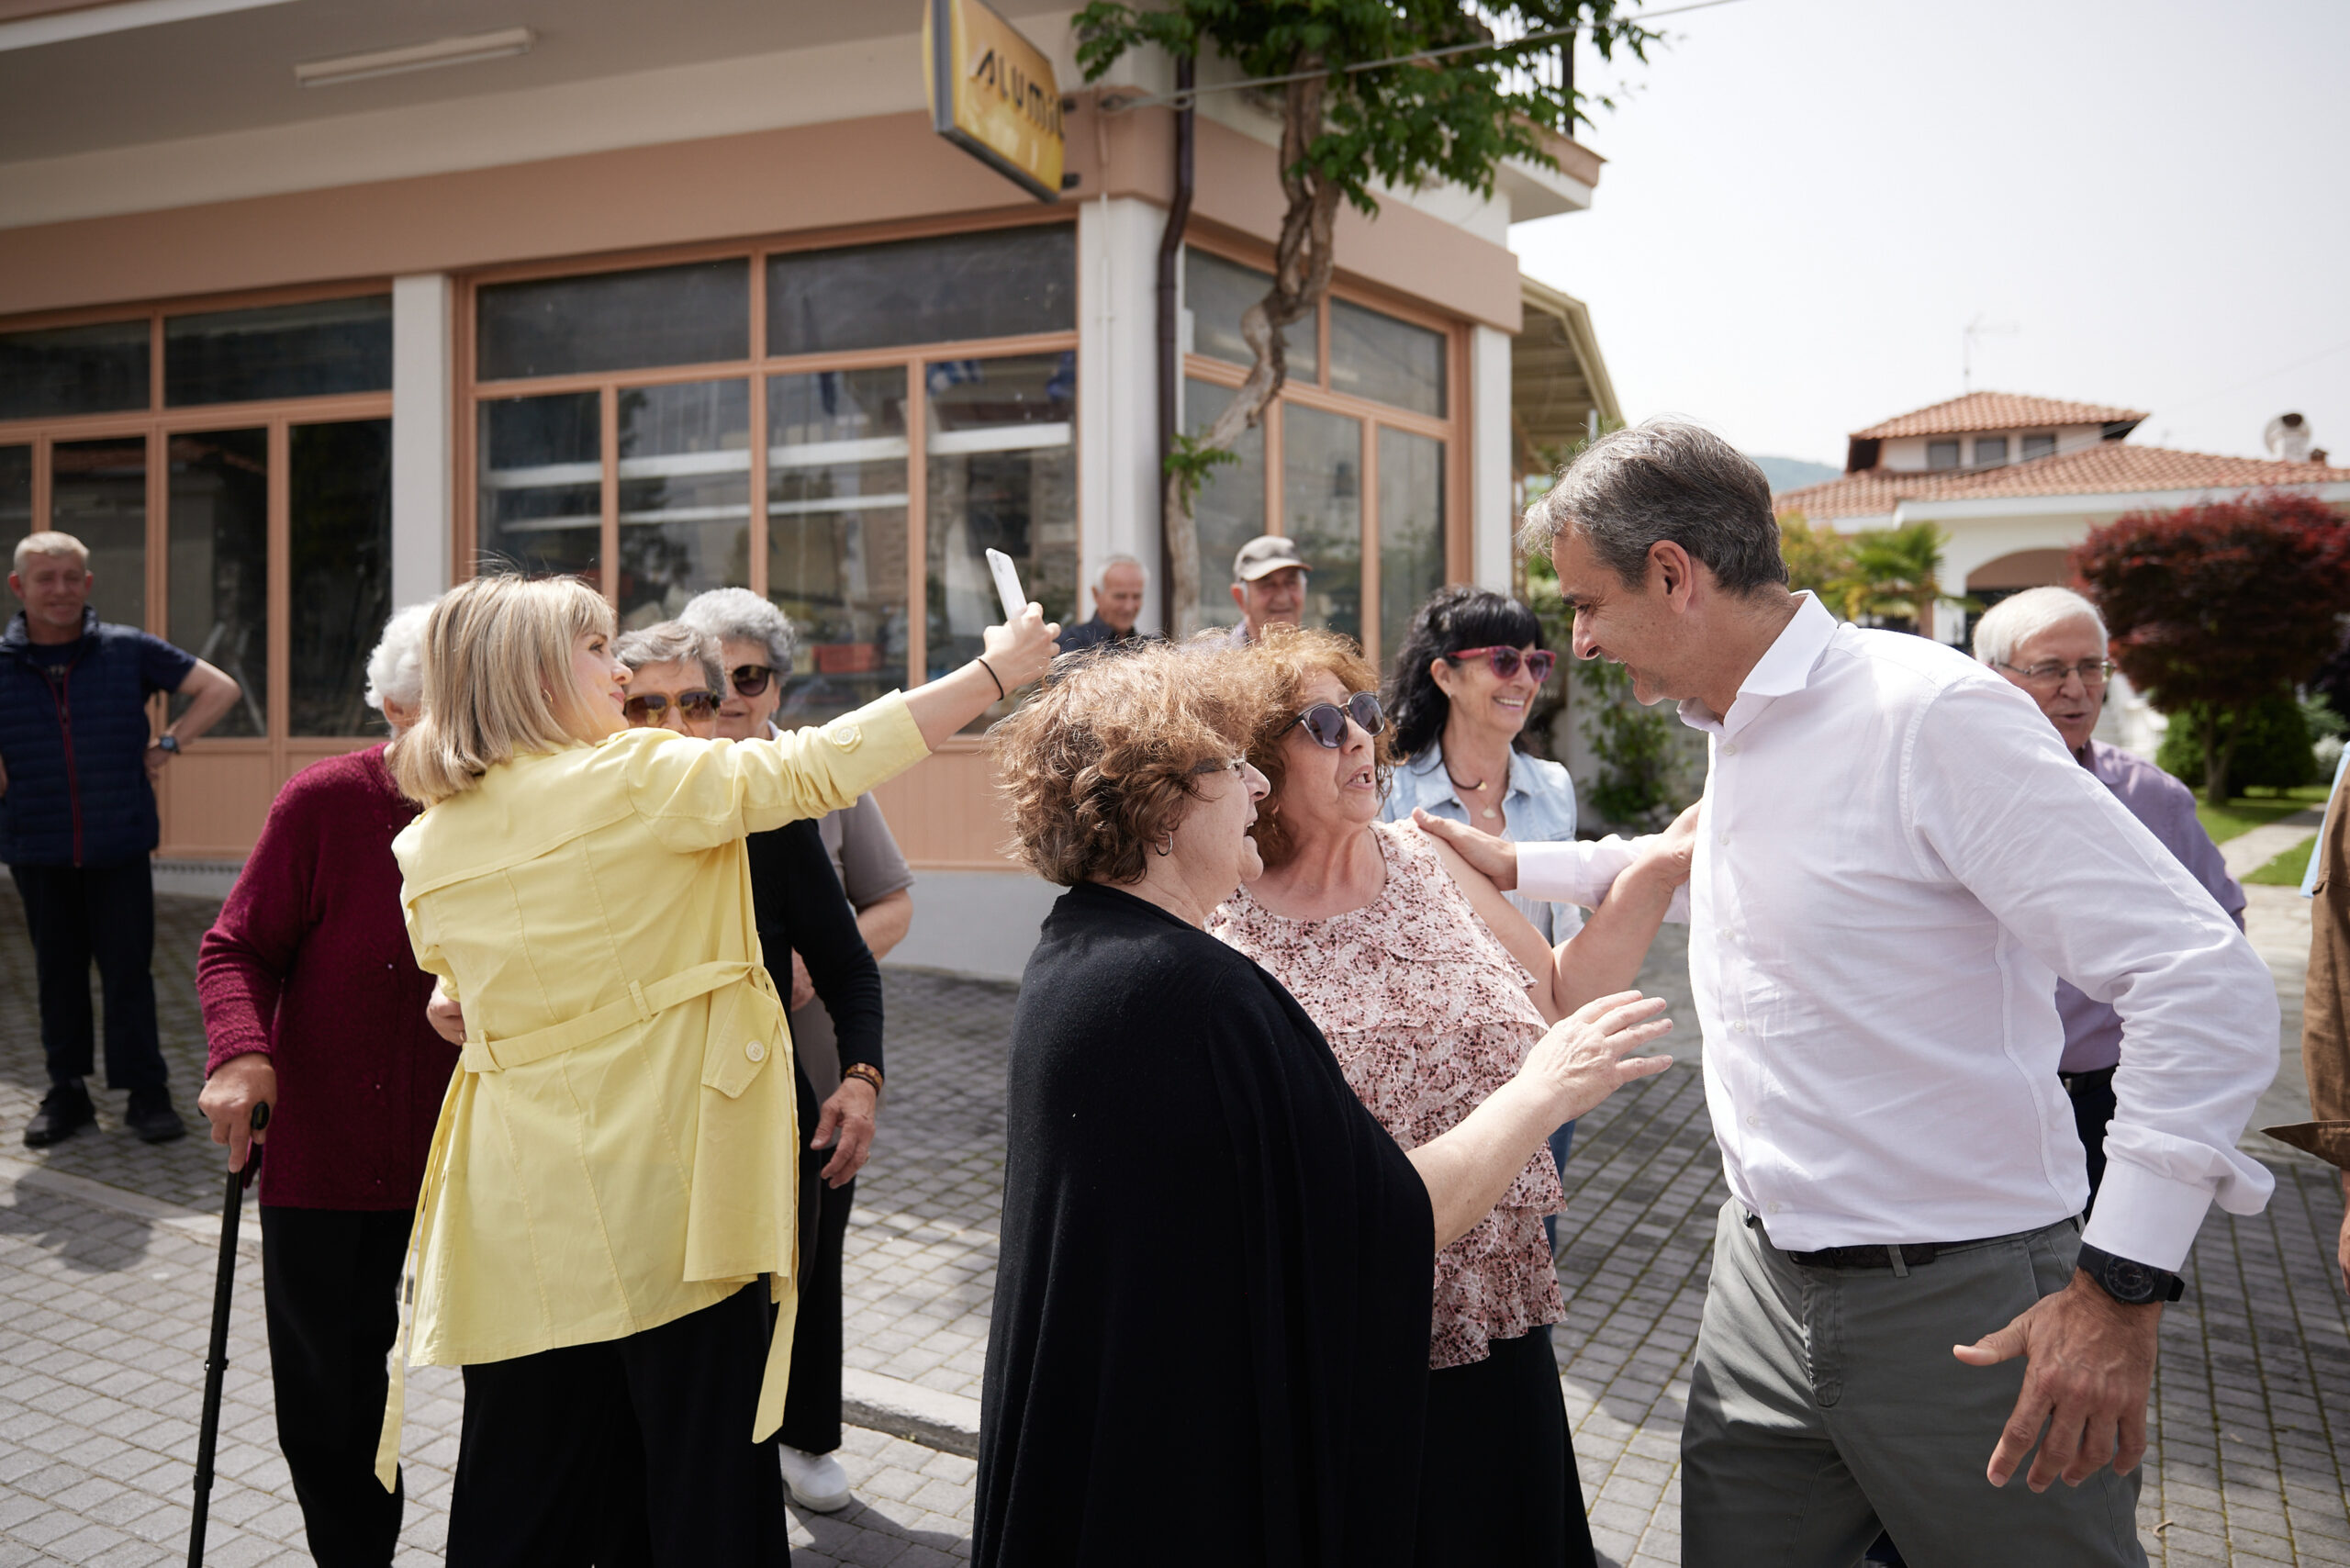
[864,1071]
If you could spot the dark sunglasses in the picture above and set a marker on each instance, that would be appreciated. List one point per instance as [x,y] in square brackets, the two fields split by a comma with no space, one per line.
[648,709]
[1506,660]
[749,680]
[1327,722]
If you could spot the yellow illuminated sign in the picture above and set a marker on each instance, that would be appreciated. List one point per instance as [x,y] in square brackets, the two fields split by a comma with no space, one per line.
[992,94]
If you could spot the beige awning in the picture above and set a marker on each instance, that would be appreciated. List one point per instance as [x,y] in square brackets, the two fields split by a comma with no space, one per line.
[1557,379]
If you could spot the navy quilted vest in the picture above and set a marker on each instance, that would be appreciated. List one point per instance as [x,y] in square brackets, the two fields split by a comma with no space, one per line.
[76,752]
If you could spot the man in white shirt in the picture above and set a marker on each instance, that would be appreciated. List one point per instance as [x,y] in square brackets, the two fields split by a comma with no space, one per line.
[1896,860]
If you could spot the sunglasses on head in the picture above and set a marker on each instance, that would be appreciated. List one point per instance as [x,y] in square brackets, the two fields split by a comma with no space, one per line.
[1506,661]
[648,709]
[749,680]
[1327,722]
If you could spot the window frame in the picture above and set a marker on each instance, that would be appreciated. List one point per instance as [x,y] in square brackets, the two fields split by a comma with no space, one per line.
[471,392]
[1450,430]
[282,752]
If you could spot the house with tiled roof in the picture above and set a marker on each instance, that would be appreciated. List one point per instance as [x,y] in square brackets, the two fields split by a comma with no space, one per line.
[2014,482]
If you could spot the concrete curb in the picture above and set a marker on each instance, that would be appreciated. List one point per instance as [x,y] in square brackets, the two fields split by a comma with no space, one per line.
[948,1422]
[190,1223]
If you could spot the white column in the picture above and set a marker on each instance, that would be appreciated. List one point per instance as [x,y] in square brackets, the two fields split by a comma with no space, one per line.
[1492,508]
[1117,380]
[422,383]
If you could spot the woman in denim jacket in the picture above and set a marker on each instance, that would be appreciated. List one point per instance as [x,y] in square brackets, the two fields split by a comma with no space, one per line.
[1458,695]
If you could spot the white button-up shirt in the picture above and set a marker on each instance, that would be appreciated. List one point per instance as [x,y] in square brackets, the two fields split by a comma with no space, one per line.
[1896,860]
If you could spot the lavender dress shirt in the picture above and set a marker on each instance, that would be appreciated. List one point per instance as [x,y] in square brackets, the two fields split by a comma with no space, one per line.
[2092,1029]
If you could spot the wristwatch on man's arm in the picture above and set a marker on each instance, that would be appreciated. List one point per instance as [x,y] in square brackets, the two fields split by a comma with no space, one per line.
[168,742]
[2132,1285]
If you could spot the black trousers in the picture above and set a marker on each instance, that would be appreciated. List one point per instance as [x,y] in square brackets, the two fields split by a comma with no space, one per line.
[2093,1104]
[633,1451]
[331,1282]
[812,1411]
[76,914]
[1497,1465]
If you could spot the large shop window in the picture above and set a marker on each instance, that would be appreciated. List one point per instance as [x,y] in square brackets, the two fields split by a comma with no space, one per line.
[246,474]
[883,476]
[1357,440]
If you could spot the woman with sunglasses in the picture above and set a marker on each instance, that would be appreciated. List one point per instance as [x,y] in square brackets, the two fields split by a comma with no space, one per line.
[836,1061]
[1432,990]
[1210,1316]
[1458,696]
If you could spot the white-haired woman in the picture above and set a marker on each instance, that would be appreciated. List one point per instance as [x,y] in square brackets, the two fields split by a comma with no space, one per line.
[616,1163]
[314,1006]
[837,1062]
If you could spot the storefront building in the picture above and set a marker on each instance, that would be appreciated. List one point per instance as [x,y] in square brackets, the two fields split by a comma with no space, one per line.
[674,304]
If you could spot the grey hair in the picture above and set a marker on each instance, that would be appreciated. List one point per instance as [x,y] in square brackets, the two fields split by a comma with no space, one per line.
[1122,561]
[395,668]
[1664,479]
[673,641]
[737,612]
[2013,622]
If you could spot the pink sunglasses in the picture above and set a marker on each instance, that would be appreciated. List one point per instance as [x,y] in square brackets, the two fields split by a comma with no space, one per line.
[1506,661]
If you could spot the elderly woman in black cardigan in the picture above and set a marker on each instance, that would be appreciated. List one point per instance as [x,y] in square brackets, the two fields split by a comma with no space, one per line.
[1211,1303]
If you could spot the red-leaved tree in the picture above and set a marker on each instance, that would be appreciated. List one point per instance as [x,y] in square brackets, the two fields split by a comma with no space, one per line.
[2214,607]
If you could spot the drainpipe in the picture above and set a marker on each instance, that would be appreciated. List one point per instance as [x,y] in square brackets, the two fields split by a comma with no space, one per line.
[1170,252]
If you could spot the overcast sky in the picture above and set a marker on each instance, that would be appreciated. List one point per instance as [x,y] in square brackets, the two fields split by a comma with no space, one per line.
[1806,201]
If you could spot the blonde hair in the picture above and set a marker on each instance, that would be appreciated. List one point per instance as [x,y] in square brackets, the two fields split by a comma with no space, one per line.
[497,680]
[50,543]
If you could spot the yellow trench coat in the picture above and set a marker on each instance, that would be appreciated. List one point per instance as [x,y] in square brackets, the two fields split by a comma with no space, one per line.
[619,1146]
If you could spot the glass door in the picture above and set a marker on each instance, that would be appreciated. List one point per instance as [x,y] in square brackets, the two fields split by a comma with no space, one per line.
[98,494]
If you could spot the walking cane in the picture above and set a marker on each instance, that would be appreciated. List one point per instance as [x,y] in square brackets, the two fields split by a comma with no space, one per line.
[217,1363]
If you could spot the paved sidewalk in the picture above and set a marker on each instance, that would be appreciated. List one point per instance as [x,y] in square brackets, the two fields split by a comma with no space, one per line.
[102,1329]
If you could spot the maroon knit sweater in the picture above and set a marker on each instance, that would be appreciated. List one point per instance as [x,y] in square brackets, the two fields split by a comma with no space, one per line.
[309,964]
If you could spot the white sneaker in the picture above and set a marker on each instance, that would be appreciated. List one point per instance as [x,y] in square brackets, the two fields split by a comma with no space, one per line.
[816,1480]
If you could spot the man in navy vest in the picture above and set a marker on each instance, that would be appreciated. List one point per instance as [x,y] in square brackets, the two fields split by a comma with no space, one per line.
[77,823]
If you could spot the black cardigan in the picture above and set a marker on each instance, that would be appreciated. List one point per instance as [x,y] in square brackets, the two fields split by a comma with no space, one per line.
[1210,1318]
[801,908]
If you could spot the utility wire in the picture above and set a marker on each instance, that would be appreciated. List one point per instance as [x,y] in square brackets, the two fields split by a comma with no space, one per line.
[2256,380]
[1179,99]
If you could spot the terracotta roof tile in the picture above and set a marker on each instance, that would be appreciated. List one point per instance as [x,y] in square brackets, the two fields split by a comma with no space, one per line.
[1995,411]
[2111,467]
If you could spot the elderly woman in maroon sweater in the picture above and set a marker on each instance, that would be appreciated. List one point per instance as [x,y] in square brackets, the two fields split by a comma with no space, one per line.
[313,1003]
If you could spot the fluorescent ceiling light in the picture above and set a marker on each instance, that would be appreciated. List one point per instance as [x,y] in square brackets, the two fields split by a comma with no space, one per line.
[415,57]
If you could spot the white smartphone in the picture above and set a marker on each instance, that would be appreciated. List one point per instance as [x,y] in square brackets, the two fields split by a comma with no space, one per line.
[1007,585]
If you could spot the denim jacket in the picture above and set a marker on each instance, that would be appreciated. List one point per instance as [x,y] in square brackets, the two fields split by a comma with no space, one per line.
[1538,805]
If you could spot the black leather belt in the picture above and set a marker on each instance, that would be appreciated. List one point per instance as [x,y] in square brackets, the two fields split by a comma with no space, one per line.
[2079,1083]
[1872,1255]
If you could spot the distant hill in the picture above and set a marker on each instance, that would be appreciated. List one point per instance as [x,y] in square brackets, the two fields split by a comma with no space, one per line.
[1794,473]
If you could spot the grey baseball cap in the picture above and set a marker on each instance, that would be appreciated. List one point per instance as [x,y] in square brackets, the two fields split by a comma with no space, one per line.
[1264,555]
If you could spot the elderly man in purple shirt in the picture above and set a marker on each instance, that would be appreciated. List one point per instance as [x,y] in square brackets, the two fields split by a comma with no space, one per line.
[2051,643]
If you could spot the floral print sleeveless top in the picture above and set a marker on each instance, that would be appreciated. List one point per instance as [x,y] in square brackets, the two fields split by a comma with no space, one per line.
[1427,1014]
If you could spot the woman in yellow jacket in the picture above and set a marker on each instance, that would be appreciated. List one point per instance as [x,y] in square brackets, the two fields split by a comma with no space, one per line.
[615,1163]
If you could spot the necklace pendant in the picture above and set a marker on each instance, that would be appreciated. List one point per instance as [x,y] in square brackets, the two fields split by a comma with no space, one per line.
[1490,813]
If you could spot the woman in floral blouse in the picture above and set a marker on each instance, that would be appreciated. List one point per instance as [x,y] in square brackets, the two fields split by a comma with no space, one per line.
[1431,989]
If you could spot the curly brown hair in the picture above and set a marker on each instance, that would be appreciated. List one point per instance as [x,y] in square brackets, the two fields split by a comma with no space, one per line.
[1282,663]
[1102,762]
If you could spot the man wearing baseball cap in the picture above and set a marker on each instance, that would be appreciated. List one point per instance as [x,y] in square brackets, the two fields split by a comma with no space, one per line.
[1268,584]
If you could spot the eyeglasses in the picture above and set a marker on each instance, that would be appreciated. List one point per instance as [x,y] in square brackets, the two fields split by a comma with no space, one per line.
[1222,765]
[749,680]
[1506,661]
[1327,722]
[648,709]
[2052,672]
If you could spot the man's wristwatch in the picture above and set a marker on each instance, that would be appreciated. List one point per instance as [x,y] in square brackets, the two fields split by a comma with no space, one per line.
[168,742]
[2132,1285]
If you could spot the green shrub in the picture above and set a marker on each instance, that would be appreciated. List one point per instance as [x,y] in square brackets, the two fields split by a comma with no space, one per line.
[2272,747]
